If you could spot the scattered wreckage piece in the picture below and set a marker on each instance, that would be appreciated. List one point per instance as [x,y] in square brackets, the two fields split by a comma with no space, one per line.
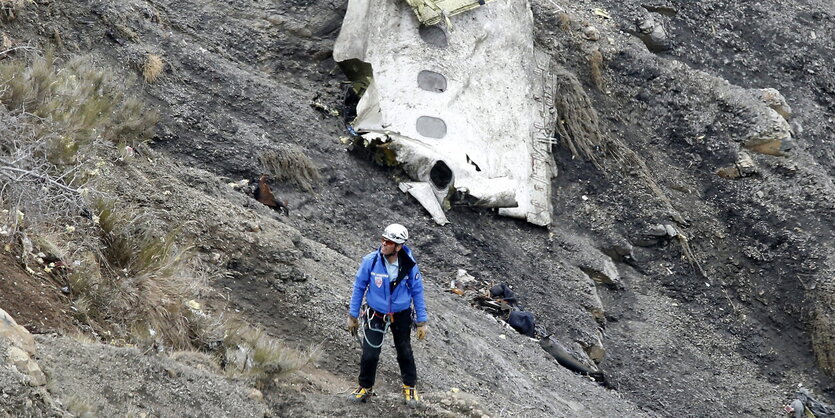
[426,196]
[495,307]
[423,107]
[500,301]
[431,12]
[565,359]
[805,405]
[264,195]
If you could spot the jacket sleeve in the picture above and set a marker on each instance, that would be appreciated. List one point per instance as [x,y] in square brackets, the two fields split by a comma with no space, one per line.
[417,295]
[360,285]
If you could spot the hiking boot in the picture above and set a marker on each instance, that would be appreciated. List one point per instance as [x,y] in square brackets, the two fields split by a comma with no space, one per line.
[411,395]
[361,394]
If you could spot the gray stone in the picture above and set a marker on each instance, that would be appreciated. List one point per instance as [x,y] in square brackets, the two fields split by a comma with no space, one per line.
[658,230]
[653,34]
[591,33]
[606,274]
[16,334]
[26,365]
[776,101]
[745,164]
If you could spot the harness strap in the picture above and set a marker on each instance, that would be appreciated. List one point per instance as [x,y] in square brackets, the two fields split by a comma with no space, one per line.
[369,315]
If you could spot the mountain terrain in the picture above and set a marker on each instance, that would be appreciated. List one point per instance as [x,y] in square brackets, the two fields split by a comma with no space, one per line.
[690,257]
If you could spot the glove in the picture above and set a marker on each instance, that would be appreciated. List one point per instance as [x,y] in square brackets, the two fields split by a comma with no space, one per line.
[420,332]
[353,325]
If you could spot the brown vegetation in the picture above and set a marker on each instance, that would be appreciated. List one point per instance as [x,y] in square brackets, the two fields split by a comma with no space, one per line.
[251,352]
[140,285]
[596,68]
[577,122]
[288,162]
[152,68]
[564,20]
[58,125]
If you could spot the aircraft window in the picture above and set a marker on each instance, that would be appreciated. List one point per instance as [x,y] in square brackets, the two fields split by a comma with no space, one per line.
[433,35]
[432,81]
[431,127]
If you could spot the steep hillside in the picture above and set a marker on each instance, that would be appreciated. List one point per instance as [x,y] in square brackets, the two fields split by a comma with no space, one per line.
[726,317]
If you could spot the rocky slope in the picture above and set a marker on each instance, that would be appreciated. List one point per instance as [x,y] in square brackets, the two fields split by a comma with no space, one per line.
[725,318]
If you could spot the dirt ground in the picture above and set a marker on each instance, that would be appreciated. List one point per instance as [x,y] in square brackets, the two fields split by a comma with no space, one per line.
[36,302]
[725,331]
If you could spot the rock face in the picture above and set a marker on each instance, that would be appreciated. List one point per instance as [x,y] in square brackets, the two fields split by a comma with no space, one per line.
[21,379]
[21,349]
[16,334]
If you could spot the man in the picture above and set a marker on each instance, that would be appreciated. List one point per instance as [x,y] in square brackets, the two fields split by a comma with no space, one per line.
[391,282]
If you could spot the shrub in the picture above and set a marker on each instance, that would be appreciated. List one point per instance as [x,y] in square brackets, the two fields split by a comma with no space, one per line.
[288,163]
[577,123]
[596,69]
[152,68]
[564,20]
[249,351]
[141,285]
[80,407]
[77,103]
[55,126]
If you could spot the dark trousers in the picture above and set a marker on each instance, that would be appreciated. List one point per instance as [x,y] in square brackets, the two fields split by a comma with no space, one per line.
[401,330]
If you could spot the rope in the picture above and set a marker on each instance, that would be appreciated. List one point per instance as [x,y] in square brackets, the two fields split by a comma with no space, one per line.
[368,326]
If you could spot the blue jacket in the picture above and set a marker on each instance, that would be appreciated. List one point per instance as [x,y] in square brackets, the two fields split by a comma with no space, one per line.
[381,295]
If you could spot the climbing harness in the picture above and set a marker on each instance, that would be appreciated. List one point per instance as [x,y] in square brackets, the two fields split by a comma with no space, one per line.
[368,315]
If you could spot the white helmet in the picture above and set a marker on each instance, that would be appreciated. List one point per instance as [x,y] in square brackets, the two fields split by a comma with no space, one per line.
[396,233]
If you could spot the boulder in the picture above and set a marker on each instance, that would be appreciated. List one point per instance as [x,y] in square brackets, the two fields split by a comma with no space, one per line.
[653,34]
[26,365]
[770,136]
[776,101]
[16,334]
[591,33]
[743,167]
[21,348]
[605,273]
[595,350]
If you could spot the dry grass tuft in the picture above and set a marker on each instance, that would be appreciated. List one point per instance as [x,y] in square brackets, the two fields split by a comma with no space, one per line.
[577,122]
[251,352]
[79,103]
[83,338]
[140,285]
[288,163]
[57,126]
[596,69]
[197,360]
[152,68]
[81,407]
[564,20]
